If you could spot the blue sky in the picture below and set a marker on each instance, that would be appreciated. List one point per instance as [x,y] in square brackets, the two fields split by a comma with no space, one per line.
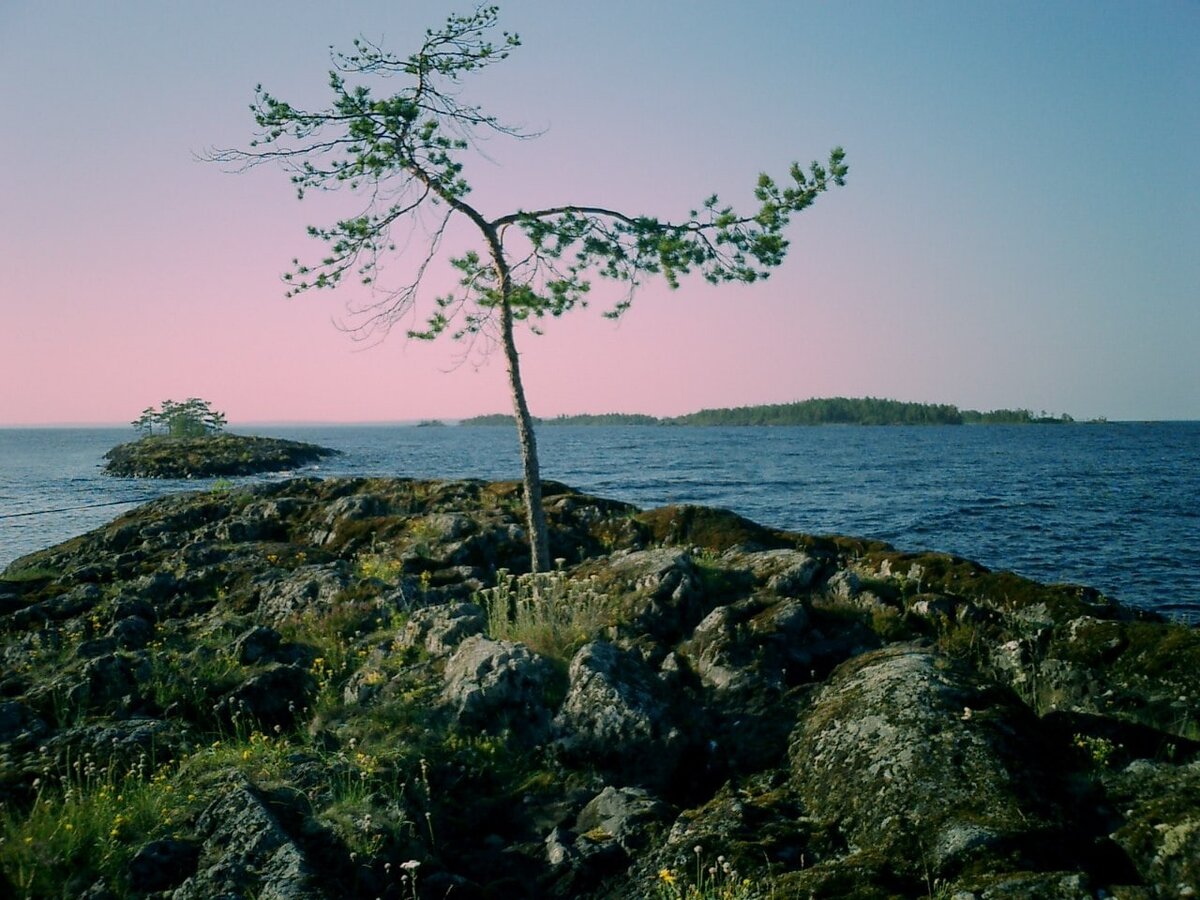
[1020,226]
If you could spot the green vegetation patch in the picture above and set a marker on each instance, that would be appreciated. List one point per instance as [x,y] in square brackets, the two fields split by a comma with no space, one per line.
[714,529]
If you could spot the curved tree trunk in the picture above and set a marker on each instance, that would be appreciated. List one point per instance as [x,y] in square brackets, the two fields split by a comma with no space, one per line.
[535,516]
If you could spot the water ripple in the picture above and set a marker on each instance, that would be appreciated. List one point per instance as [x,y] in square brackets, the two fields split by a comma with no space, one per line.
[1115,507]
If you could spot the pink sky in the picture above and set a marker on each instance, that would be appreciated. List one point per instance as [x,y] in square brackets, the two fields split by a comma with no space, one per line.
[1019,227]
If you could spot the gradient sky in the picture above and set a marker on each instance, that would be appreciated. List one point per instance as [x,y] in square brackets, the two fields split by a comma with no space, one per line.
[1020,228]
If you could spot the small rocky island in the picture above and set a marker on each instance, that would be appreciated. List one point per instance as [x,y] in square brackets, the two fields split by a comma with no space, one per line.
[345,688]
[209,456]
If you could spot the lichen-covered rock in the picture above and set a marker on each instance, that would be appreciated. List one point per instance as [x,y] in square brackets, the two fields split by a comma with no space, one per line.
[260,520]
[712,647]
[440,629]
[56,608]
[256,644]
[307,588]
[498,684]
[786,621]
[162,864]
[844,584]
[786,572]
[711,529]
[753,643]
[627,815]
[122,745]
[1160,805]
[661,590]
[246,852]
[107,684]
[340,520]
[274,697]
[1147,672]
[131,633]
[610,831]
[617,716]
[19,724]
[1022,885]
[912,760]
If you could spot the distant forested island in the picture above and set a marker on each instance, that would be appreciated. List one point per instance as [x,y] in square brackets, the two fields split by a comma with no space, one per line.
[823,411]
[584,419]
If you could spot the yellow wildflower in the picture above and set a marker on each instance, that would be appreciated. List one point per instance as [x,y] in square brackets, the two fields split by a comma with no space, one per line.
[666,875]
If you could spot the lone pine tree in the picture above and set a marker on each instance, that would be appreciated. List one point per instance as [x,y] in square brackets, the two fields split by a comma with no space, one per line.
[405,154]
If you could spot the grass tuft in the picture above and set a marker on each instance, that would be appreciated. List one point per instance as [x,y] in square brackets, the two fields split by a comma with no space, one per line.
[549,612]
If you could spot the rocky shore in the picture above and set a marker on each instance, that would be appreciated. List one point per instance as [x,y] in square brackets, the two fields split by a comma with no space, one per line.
[213,455]
[344,688]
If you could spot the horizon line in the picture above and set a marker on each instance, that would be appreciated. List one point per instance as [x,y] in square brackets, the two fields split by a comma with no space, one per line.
[454,421]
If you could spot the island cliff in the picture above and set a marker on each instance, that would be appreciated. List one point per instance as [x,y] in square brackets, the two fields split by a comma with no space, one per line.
[341,688]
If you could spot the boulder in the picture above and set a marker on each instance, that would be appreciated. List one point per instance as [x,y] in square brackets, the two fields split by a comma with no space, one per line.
[713,649]
[617,716]
[131,633]
[163,864]
[305,588]
[123,744]
[56,608]
[440,629]
[913,760]
[494,546]
[273,697]
[108,684]
[1160,805]
[155,588]
[499,684]
[611,830]
[126,605]
[750,644]
[246,852]
[660,590]
[18,723]
[788,573]
[843,585]
[256,645]
[342,513]
[628,816]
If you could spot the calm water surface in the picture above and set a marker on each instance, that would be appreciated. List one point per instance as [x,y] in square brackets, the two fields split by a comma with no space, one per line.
[1116,507]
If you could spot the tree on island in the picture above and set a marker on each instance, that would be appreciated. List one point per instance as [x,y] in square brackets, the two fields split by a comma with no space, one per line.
[405,153]
[191,418]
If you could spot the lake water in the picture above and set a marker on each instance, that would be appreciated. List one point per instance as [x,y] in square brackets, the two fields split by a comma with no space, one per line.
[1115,506]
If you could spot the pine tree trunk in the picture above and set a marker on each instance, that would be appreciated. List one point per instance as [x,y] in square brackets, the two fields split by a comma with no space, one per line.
[535,516]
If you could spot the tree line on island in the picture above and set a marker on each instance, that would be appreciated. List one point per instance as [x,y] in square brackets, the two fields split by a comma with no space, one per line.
[821,411]
[191,418]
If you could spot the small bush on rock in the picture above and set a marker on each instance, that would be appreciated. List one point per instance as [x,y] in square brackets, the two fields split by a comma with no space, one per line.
[547,611]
